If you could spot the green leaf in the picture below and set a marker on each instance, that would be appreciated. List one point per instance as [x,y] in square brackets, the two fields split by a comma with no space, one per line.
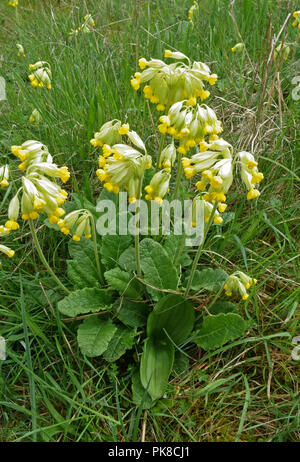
[208,279]
[220,329]
[87,300]
[124,282]
[81,274]
[83,248]
[140,396]
[172,245]
[122,340]
[82,269]
[156,365]
[223,306]
[133,314]
[112,246]
[94,335]
[127,260]
[157,267]
[174,314]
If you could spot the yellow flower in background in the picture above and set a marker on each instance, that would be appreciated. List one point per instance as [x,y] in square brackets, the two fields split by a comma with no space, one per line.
[4,176]
[14,3]
[192,11]
[296,16]
[20,50]
[250,174]
[41,75]
[35,117]
[238,48]
[283,50]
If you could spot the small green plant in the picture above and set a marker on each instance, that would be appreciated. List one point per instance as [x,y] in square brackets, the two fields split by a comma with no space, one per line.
[140,288]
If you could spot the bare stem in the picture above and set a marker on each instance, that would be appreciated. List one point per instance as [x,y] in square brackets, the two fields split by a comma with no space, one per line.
[200,248]
[43,259]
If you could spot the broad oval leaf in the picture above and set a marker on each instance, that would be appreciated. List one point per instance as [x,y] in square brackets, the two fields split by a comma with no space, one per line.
[87,300]
[156,365]
[220,329]
[94,335]
[174,314]
[157,268]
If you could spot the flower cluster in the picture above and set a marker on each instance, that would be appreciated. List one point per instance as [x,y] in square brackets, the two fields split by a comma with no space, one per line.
[238,282]
[31,152]
[41,74]
[14,3]
[121,165]
[4,176]
[38,192]
[170,83]
[190,124]
[77,222]
[296,23]
[250,174]
[85,27]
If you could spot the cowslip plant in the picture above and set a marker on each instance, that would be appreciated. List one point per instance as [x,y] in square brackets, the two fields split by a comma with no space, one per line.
[141,288]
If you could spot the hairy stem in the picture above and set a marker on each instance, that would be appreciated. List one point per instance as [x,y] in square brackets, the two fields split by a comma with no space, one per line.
[98,263]
[137,237]
[200,248]
[43,259]
[178,177]
[161,143]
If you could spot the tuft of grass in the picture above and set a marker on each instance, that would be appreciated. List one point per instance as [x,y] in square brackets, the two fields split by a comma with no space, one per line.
[245,391]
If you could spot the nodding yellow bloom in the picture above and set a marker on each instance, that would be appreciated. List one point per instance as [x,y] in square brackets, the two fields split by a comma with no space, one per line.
[41,75]
[238,282]
[167,157]
[7,251]
[109,134]
[124,129]
[14,3]
[143,63]
[30,152]
[158,187]
[123,166]
[77,223]
[4,176]
[202,209]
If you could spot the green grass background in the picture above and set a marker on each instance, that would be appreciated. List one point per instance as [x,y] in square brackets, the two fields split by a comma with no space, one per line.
[246,391]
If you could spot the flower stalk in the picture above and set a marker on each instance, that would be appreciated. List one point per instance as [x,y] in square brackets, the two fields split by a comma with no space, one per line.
[43,259]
